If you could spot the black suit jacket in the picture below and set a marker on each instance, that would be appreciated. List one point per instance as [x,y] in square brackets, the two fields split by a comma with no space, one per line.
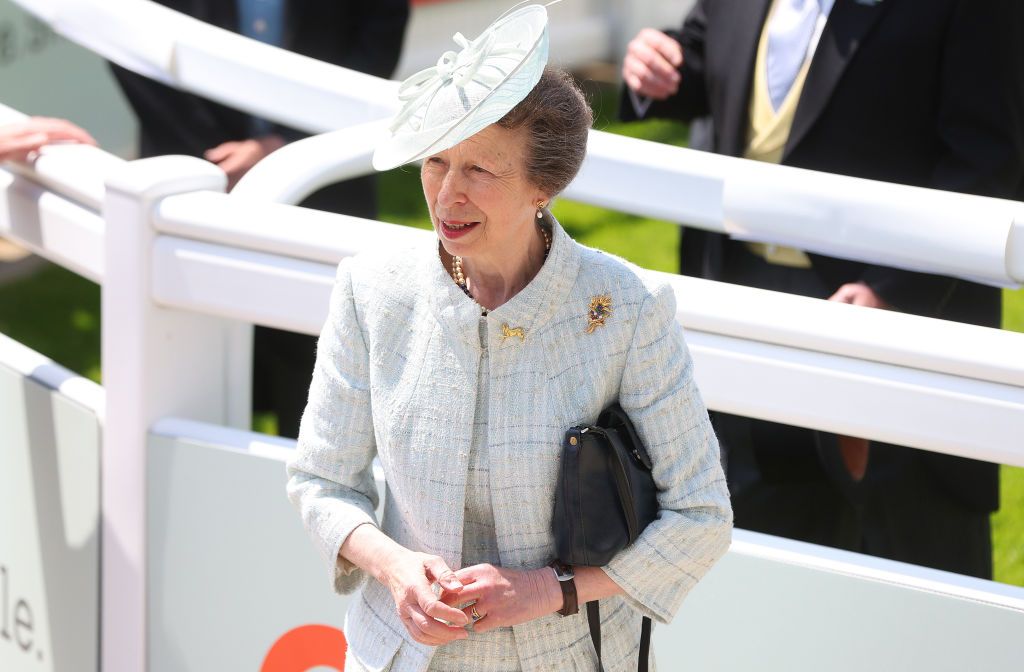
[359,35]
[920,92]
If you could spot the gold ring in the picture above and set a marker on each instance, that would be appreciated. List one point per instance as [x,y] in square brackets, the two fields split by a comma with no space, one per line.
[476,614]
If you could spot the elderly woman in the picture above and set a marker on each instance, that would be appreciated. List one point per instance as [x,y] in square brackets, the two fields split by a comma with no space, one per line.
[460,365]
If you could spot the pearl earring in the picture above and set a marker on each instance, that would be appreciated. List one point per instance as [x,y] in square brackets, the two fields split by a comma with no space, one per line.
[540,213]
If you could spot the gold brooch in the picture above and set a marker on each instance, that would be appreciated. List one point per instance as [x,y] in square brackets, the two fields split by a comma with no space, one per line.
[509,332]
[600,310]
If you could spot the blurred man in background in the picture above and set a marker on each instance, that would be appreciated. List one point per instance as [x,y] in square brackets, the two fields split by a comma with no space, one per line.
[921,92]
[363,36]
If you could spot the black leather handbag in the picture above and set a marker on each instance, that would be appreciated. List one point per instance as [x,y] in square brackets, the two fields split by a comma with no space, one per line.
[604,499]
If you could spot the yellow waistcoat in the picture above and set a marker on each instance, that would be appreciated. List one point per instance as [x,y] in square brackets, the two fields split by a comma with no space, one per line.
[767,133]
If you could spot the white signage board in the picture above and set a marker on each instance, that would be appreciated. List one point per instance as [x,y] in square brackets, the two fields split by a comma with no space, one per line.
[234,582]
[233,578]
[49,517]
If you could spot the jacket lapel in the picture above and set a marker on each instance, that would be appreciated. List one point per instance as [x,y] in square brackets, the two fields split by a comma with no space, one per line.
[847,26]
[745,25]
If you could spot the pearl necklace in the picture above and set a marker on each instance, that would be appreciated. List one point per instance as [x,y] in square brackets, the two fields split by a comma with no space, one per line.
[460,278]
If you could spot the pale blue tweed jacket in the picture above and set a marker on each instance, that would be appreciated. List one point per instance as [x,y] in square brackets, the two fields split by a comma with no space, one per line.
[396,377]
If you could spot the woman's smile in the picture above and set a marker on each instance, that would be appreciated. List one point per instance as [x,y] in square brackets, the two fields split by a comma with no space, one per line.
[453,228]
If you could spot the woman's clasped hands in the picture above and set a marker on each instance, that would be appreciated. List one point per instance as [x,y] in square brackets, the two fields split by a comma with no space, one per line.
[484,596]
[503,597]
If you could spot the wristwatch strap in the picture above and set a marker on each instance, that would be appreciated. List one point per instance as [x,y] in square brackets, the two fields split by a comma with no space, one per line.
[566,581]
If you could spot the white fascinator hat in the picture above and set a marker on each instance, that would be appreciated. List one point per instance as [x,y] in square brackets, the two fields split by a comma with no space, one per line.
[467,90]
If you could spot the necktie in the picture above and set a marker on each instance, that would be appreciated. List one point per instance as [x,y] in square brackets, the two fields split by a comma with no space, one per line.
[789,35]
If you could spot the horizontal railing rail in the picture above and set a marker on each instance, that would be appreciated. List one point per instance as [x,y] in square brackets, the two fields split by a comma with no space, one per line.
[878,374]
[772,317]
[927,230]
[918,229]
[76,172]
[52,226]
[181,51]
[54,206]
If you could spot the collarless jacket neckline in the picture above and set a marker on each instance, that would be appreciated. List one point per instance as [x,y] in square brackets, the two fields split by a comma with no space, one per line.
[530,309]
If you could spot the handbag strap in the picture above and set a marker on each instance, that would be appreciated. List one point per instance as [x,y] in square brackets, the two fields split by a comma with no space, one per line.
[645,644]
[594,621]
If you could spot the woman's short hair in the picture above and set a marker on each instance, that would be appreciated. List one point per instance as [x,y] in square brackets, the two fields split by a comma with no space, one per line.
[557,119]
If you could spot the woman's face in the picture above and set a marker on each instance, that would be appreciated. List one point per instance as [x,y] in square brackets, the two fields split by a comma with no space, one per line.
[480,201]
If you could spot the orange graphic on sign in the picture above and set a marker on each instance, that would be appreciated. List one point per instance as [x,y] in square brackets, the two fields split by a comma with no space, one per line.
[306,647]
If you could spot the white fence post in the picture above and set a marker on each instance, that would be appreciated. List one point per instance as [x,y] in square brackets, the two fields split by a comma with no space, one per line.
[156,362]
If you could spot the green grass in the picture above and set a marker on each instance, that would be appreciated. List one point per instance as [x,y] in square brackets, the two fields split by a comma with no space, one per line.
[1008,521]
[57,313]
[1008,528]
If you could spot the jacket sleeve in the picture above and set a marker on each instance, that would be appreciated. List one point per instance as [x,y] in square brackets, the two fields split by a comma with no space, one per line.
[691,101]
[980,119]
[331,475]
[693,528]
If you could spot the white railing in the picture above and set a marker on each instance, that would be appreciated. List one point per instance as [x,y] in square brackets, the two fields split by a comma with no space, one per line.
[192,263]
[818,357]
[181,51]
[908,227]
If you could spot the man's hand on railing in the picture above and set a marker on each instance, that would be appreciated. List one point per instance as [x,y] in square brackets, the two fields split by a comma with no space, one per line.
[21,139]
[235,158]
[650,67]
[859,294]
